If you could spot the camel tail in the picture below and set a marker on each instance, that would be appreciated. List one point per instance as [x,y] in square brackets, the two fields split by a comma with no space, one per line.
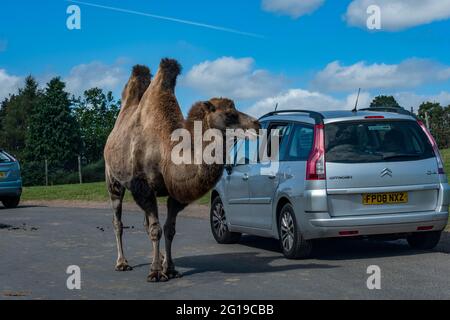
[169,69]
[136,86]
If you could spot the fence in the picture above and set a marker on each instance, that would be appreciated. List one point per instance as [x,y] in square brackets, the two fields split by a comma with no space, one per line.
[38,173]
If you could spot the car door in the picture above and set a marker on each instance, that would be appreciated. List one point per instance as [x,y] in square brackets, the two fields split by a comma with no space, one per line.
[265,177]
[236,186]
[9,169]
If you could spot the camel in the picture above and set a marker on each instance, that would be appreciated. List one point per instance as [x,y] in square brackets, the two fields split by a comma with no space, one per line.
[138,157]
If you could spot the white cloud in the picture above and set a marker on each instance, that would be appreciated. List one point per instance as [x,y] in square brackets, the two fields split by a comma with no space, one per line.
[409,73]
[95,74]
[80,78]
[310,100]
[399,14]
[365,98]
[233,78]
[292,8]
[8,83]
[411,99]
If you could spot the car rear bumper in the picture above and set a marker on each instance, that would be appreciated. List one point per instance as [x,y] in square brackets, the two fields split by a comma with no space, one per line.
[11,188]
[321,225]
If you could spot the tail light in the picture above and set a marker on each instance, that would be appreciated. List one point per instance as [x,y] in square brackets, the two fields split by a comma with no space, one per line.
[349,233]
[435,148]
[374,117]
[315,167]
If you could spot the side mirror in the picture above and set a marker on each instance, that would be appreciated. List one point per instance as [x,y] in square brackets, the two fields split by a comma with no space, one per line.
[229,168]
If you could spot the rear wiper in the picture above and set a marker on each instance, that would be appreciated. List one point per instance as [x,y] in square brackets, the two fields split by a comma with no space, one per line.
[401,156]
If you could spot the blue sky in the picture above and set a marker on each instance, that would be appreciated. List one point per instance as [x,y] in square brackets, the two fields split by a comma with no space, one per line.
[311,53]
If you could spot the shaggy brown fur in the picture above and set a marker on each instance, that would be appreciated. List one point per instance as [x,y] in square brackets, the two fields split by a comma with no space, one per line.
[138,156]
[136,86]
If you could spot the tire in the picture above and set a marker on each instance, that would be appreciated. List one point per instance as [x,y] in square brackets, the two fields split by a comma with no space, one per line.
[424,240]
[219,227]
[11,202]
[292,243]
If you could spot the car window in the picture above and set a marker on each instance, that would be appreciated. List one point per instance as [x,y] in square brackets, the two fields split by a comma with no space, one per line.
[253,147]
[233,154]
[247,151]
[301,142]
[376,141]
[242,152]
[4,157]
[284,130]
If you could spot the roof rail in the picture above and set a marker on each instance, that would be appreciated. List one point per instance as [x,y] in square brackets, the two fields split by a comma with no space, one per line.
[317,116]
[390,109]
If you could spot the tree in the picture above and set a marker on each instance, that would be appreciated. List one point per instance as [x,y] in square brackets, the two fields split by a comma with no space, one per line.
[15,116]
[3,105]
[384,101]
[96,114]
[53,131]
[438,120]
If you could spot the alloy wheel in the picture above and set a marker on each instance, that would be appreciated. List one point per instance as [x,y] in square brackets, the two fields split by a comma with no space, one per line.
[219,220]
[287,231]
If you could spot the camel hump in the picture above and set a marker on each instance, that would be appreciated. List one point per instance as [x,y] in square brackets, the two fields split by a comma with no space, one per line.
[141,72]
[136,86]
[169,70]
[170,67]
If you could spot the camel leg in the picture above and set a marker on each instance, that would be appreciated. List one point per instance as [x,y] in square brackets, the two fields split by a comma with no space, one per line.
[173,208]
[116,193]
[146,199]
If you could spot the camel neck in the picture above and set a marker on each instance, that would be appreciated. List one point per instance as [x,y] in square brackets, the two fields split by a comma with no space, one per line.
[191,181]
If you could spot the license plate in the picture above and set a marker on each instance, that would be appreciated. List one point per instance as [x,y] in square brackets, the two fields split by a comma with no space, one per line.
[385,198]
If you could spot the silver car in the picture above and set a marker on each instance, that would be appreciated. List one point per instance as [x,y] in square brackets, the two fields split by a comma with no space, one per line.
[374,172]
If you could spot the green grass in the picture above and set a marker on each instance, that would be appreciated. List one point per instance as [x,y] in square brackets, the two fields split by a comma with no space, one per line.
[82,192]
[446,155]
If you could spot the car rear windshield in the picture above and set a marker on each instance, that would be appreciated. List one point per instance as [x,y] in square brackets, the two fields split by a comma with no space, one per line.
[4,157]
[376,141]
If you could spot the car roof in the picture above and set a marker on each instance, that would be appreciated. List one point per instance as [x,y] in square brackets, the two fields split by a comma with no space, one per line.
[335,115]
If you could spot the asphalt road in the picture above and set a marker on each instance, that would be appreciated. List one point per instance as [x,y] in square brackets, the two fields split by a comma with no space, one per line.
[37,244]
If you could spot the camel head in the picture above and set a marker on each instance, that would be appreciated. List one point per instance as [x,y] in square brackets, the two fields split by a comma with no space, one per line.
[221,114]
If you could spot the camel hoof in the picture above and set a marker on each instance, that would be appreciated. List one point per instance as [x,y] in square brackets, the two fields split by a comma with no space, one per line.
[157,276]
[123,266]
[173,274]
